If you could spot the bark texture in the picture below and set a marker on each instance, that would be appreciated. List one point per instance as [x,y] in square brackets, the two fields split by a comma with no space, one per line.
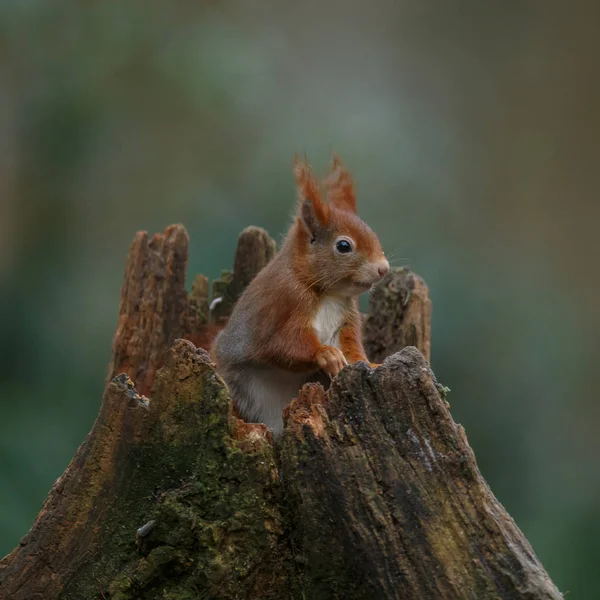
[373,491]
[155,308]
[385,499]
[154,305]
[399,316]
[255,249]
[165,498]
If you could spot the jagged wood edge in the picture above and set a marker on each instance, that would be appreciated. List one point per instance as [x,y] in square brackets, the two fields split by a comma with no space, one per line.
[385,499]
[120,521]
[399,316]
[150,260]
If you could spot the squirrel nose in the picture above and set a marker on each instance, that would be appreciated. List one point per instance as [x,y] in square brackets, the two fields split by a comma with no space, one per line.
[383,268]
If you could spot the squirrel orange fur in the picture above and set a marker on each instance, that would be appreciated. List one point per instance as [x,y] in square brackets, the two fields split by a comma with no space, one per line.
[299,316]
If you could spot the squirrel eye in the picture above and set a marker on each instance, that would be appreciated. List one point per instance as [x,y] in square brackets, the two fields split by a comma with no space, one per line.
[343,246]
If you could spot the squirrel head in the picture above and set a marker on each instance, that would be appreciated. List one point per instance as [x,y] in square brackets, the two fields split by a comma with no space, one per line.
[336,253]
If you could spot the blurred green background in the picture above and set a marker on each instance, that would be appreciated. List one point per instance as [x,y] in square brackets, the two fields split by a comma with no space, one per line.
[472,129]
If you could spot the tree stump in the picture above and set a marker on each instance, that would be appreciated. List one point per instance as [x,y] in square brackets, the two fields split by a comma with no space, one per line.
[372,492]
[399,316]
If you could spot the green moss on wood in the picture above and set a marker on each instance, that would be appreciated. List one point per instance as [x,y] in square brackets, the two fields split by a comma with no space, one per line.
[217,530]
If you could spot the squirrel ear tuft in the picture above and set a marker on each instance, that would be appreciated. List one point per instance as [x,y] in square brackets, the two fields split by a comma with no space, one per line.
[313,212]
[340,187]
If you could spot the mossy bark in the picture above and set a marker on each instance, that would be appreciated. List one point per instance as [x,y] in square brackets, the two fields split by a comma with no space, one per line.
[170,498]
[373,491]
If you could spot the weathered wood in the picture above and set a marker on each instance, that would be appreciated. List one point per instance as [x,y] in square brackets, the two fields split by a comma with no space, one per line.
[399,315]
[154,305]
[155,308]
[163,497]
[255,248]
[175,498]
[385,499]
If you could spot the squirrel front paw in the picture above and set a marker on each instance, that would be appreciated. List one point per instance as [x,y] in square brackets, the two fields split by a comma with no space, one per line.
[331,360]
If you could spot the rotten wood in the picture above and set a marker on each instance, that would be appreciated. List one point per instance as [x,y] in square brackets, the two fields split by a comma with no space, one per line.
[373,491]
[399,315]
[155,308]
[255,248]
[385,499]
[164,496]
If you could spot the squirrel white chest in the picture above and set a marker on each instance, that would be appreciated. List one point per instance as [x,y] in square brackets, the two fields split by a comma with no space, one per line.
[328,321]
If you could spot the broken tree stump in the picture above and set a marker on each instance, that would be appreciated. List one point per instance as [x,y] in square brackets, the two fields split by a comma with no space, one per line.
[385,499]
[399,315]
[159,488]
[155,308]
[372,492]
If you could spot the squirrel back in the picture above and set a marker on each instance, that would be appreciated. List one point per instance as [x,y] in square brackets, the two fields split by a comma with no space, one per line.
[300,314]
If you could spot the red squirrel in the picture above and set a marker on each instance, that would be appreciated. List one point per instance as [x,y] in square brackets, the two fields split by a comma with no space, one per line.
[300,315]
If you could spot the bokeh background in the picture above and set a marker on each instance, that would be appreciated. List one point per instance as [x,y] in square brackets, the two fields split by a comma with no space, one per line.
[472,129]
